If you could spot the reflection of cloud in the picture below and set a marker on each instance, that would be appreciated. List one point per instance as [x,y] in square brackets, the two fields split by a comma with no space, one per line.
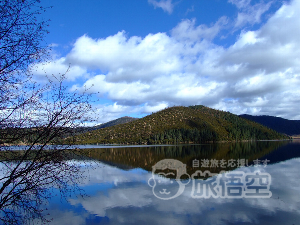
[58,217]
[102,173]
[124,197]
[132,201]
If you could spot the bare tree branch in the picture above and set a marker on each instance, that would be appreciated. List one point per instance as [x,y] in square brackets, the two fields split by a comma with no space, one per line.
[38,118]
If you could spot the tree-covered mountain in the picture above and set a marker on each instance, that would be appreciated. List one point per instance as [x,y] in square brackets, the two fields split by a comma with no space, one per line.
[194,124]
[124,119]
[284,126]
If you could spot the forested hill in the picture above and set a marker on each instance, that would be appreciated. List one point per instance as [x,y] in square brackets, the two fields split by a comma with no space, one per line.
[118,121]
[289,127]
[194,124]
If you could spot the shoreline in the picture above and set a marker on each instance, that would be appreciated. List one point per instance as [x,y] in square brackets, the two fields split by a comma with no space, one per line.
[142,145]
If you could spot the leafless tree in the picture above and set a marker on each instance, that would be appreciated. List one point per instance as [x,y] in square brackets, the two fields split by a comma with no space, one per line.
[37,118]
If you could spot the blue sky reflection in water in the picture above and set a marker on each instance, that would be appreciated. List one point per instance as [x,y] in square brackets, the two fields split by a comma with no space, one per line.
[122,196]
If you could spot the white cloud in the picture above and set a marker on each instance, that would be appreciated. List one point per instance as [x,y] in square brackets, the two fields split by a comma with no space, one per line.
[258,74]
[107,112]
[149,109]
[58,67]
[192,9]
[127,60]
[166,5]
[249,14]
[240,3]
[186,30]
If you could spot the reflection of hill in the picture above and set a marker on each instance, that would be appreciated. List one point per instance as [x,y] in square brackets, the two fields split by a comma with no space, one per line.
[146,157]
[284,153]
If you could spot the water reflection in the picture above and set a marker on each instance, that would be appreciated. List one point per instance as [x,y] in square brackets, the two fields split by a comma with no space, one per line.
[146,157]
[119,193]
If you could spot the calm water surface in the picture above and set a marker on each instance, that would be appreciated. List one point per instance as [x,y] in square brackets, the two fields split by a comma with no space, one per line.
[118,190]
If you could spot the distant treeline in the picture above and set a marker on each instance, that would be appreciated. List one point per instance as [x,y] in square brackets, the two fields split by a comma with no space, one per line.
[284,126]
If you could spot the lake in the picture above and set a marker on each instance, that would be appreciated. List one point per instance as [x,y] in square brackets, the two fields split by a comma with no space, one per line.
[121,187]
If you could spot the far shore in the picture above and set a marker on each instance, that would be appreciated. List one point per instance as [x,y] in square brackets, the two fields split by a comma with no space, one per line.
[118,145]
[296,136]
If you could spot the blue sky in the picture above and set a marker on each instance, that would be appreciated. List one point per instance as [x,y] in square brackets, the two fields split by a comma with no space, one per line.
[141,56]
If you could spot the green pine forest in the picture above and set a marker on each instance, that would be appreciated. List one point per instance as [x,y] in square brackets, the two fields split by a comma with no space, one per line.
[179,124]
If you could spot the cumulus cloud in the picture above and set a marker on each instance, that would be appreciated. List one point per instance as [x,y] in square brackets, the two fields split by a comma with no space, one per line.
[257,74]
[58,67]
[249,14]
[152,70]
[186,30]
[103,113]
[166,5]
[127,59]
[154,108]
